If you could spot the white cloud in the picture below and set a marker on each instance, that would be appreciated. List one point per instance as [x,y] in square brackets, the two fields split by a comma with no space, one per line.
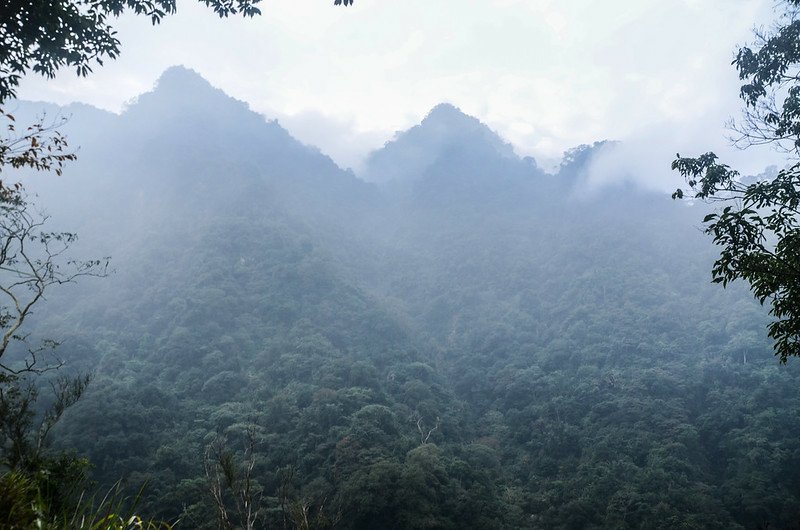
[547,74]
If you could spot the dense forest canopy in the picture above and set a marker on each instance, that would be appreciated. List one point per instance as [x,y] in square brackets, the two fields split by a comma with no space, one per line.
[451,336]
[471,343]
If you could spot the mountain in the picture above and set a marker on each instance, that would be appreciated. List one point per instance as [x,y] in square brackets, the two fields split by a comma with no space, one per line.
[204,153]
[460,343]
[225,133]
[445,128]
[447,149]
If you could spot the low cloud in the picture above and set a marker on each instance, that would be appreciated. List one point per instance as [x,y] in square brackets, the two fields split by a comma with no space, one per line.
[644,158]
[338,138]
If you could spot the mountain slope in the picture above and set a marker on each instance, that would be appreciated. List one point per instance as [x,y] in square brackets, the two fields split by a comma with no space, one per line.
[468,344]
[448,149]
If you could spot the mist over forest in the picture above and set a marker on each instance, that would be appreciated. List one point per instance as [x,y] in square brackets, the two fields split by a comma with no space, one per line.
[452,337]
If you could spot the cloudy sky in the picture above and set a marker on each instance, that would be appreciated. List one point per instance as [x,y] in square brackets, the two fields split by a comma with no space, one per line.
[545,74]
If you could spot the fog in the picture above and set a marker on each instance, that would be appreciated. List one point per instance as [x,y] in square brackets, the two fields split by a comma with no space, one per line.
[439,332]
[547,75]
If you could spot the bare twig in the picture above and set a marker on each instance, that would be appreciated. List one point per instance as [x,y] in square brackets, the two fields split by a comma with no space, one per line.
[31,262]
[423,437]
[224,475]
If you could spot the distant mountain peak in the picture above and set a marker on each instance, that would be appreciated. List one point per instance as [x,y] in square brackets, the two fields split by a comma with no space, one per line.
[182,78]
[446,129]
[179,88]
[577,160]
[447,112]
[445,120]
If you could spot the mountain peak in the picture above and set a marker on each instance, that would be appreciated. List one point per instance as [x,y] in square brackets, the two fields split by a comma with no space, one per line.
[448,113]
[450,123]
[445,130]
[180,88]
[181,78]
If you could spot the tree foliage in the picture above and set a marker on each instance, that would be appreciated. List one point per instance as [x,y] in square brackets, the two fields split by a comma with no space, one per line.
[758,228]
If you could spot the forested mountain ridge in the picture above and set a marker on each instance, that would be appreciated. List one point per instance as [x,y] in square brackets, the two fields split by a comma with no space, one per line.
[465,343]
[445,131]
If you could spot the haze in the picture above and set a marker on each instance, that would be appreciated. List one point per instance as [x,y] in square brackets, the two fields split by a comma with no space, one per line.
[546,75]
[400,265]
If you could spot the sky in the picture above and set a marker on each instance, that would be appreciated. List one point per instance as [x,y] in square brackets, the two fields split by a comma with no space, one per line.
[547,75]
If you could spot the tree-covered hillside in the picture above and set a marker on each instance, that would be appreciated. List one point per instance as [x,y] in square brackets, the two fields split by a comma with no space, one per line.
[466,342]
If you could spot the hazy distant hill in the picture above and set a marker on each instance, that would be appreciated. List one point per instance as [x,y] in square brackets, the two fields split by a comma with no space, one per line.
[564,350]
[445,131]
